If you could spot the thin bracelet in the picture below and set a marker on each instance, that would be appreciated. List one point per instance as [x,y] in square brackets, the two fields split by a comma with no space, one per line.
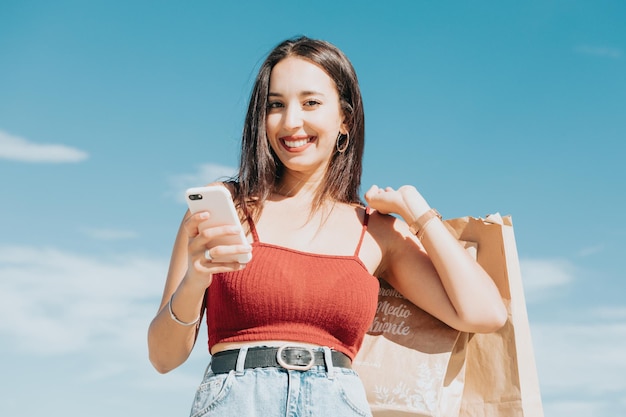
[420,234]
[419,226]
[176,319]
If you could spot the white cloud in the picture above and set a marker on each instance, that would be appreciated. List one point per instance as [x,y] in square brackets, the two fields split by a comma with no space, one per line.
[20,149]
[91,314]
[581,361]
[204,174]
[599,51]
[60,302]
[610,313]
[572,408]
[590,250]
[541,277]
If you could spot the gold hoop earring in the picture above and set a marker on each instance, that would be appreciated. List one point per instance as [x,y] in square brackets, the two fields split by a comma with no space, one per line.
[345,145]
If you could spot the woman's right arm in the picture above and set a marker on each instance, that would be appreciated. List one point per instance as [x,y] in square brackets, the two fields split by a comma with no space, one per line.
[189,275]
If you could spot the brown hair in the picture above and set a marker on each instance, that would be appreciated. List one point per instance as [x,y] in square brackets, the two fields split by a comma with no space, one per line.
[260,169]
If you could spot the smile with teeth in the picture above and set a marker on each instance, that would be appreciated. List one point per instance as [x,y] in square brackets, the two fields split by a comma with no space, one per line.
[297,142]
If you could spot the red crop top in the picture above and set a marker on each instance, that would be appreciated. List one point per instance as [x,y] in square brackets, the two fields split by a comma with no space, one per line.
[286,294]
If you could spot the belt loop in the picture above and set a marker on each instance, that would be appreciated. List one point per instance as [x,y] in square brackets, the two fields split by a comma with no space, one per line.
[241,360]
[328,358]
[208,368]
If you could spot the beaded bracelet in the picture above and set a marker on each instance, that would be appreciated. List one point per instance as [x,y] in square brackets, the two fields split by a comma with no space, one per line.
[176,319]
[419,226]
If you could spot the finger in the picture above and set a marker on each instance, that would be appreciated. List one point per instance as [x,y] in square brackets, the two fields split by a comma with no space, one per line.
[371,192]
[226,253]
[208,233]
[212,267]
[193,222]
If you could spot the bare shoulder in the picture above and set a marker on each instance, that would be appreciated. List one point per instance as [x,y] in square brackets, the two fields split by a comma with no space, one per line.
[387,228]
[387,234]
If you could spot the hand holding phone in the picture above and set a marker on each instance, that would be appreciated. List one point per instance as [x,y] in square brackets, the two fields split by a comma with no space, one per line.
[217,200]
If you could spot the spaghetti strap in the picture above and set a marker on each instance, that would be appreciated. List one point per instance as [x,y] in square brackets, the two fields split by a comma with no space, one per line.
[255,236]
[366,219]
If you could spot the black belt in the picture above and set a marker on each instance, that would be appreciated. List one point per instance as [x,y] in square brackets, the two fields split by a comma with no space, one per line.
[288,357]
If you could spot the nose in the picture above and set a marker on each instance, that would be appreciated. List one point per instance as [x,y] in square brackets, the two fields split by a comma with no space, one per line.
[292,118]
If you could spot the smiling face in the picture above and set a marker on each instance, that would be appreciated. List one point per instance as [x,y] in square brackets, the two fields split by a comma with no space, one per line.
[304,116]
[305,93]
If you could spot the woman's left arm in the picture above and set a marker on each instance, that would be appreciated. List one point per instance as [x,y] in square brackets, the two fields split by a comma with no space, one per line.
[436,273]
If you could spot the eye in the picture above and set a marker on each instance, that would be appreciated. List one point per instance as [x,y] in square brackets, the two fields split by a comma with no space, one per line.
[274,105]
[311,103]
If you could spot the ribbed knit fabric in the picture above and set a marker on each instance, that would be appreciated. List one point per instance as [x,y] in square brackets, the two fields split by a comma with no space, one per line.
[285,294]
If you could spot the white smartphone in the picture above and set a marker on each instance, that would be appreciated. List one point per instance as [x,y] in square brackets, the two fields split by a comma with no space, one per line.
[217,200]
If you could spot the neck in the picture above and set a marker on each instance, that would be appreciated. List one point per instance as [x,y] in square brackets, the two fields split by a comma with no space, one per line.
[298,186]
[299,195]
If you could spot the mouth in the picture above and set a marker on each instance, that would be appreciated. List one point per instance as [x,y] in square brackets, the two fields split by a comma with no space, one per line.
[296,143]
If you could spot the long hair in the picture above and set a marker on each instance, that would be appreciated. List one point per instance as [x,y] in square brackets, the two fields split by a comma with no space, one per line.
[260,169]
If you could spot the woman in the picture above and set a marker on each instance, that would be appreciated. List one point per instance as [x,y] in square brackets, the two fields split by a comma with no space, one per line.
[284,328]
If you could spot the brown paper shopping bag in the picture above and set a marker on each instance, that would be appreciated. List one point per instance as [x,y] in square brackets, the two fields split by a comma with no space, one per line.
[411,363]
[501,375]
[414,365]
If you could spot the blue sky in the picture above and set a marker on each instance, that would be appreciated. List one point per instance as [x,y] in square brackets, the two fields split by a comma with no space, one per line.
[110,109]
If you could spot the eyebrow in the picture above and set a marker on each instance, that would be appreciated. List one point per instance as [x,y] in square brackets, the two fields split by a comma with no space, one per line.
[301,94]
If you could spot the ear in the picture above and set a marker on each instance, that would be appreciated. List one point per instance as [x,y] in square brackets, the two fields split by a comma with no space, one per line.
[344,128]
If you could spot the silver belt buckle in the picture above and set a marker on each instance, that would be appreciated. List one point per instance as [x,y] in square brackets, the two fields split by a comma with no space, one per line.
[281,361]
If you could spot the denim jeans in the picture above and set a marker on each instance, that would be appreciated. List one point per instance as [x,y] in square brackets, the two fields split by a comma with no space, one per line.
[268,392]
